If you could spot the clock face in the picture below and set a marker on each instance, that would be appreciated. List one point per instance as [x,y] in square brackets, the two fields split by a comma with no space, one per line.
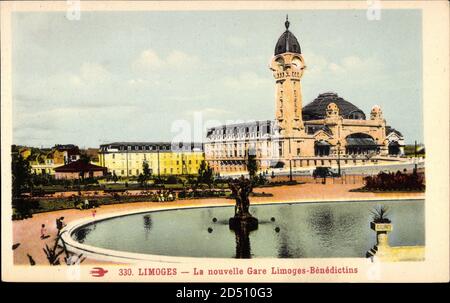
[297,63]
[280,63]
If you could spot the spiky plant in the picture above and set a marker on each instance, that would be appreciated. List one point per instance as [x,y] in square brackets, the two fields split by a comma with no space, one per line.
[380,214]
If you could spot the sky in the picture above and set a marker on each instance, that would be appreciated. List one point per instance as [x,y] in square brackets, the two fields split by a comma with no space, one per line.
[155,76]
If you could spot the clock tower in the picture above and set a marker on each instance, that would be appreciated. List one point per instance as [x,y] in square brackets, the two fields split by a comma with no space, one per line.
[287,66]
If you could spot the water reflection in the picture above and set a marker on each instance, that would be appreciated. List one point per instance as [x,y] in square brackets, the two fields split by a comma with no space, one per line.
[147,219]
[81,233]
[322,221]
[242,235]
[147,222]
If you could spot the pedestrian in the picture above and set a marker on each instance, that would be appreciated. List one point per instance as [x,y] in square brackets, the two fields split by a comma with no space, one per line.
[60,223]
[43,232]
[94,212]
[86,204]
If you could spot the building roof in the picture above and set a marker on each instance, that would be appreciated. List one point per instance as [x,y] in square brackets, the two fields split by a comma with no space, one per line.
[392,130]
[79,166]
[65,146]
[287,43]
[265,126]
[317,108]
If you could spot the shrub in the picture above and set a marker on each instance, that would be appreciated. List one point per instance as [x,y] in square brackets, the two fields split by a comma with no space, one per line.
[395,182]
[172,180]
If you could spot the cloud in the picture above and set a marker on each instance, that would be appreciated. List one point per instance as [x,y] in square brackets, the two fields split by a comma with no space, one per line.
[178,58]
[140,82]
[336,68]
[246,81]
[149,60]
[352,66]
[94,73]
[89,74]
[246,61]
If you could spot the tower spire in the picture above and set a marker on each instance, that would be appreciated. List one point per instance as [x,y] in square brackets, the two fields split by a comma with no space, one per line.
[287,22]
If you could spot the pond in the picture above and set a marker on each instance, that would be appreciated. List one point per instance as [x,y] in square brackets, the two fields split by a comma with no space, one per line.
[299,230]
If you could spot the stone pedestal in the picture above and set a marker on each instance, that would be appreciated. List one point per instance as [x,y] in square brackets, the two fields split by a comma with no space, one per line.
[382,249]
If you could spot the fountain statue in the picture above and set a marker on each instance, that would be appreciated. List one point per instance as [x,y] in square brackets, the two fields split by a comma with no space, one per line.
[241,189]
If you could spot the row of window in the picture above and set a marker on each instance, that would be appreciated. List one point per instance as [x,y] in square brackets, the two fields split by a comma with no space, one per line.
[265,129]
[177,162]
[136,172]
[175,147]
[240,136]
[144,156]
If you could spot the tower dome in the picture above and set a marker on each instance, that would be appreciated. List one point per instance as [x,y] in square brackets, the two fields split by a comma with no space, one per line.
[287,43]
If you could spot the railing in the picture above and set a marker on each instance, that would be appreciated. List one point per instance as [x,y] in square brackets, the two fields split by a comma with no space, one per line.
[344,179]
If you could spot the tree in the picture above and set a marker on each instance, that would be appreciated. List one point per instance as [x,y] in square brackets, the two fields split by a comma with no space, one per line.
[21,183]
[146,174]
[205,174]
[21,176]
[146,170]
[114,177]
[85,158]
[252,165]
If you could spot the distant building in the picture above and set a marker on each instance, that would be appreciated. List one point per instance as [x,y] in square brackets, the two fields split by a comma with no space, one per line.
[126,159]
[79,170]
[323,132]
[25,152]
[66,153]
[44,161]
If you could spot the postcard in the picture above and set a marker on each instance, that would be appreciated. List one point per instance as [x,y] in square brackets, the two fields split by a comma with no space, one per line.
[196,141]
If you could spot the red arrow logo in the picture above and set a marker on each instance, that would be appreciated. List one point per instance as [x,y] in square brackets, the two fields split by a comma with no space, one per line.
[98,272]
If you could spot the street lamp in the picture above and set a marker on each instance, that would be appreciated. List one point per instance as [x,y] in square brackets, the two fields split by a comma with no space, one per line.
[339,157]
[415,156]
[290,170]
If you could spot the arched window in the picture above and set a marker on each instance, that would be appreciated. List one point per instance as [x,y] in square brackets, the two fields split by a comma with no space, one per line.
[321,148]
[356,115]
[360,143]
[394,148]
